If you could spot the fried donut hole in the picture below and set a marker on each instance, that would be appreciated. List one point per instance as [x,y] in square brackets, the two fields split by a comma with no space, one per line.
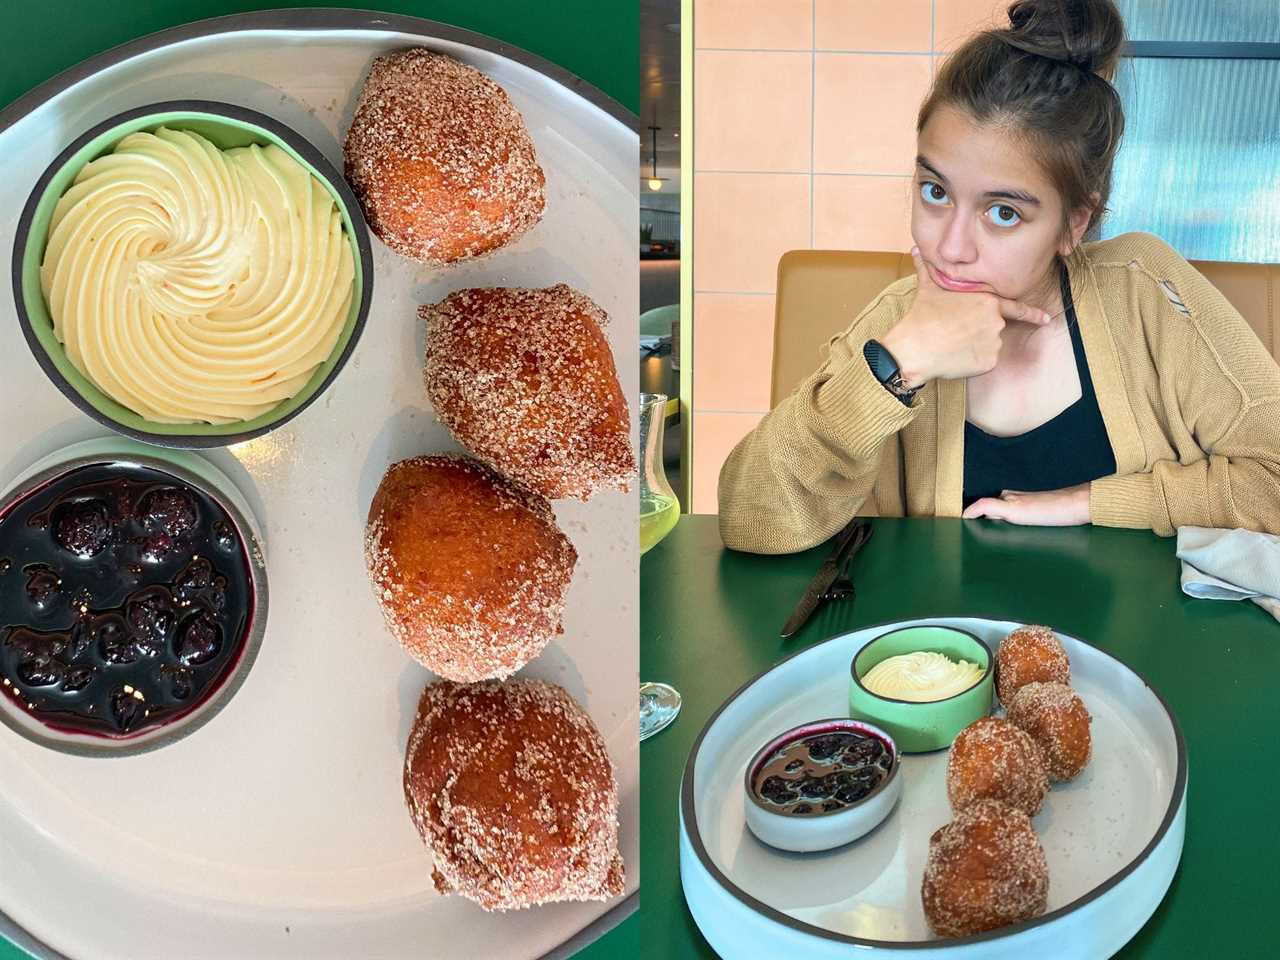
[994,759]
[440,159]
[1056,718]
[1027,655]
[525,379]
[510,786]
[986,869]
[470,570]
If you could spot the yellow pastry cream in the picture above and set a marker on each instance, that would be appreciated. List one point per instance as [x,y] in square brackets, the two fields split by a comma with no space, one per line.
[921,677]
[193,284]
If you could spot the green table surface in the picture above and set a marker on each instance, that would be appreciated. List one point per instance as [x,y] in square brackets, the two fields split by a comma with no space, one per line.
[597,41]
[709,621]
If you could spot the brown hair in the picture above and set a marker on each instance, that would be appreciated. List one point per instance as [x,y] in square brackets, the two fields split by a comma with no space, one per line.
[1047,79]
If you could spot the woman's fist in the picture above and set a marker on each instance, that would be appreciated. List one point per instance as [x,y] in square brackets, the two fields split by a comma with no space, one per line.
[950,335]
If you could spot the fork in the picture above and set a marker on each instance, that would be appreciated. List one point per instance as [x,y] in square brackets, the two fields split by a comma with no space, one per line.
[842,587]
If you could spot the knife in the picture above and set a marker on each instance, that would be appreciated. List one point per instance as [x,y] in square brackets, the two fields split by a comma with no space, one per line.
[826,575]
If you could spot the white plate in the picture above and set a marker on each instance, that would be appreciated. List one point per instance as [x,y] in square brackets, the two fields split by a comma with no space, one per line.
[1112,837]
[279,829]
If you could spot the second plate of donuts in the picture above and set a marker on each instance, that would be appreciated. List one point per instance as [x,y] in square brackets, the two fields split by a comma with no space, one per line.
[1051,827]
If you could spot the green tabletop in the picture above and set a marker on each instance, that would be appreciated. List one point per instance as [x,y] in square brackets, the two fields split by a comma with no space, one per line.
[709,621]
[597,41]
[600,42]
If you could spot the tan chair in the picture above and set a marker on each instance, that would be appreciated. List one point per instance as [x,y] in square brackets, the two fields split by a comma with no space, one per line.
[821,291]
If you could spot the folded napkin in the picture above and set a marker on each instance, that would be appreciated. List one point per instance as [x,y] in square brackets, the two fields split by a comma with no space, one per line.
[1231,565]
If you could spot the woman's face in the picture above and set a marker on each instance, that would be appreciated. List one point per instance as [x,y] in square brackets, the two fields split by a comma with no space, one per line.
[983,214]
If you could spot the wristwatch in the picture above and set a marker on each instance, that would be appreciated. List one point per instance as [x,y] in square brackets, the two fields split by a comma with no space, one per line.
[885,369]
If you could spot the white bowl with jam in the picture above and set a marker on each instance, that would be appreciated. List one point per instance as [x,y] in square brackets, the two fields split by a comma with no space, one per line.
[821,785]
[133,597]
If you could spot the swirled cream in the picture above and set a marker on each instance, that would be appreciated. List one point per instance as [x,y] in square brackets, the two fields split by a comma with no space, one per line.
[921,677]
[192,284]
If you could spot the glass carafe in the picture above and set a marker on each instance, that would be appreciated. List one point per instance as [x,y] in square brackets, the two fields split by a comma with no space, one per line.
[659,511]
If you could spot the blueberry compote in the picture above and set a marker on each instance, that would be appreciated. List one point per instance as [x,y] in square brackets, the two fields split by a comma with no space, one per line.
[822,772]
[124,599]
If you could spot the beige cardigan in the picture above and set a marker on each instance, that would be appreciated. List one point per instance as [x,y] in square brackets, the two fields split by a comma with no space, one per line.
[1189,395]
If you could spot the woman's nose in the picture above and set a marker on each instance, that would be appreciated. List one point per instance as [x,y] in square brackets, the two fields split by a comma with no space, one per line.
[957,244]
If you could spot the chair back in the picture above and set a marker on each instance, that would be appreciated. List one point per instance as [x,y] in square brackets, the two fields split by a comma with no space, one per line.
[821,291]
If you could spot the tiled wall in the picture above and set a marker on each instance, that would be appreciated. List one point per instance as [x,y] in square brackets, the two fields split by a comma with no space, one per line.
[804,137]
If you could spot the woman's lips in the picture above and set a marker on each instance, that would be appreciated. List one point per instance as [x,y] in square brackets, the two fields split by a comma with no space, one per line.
[951,283]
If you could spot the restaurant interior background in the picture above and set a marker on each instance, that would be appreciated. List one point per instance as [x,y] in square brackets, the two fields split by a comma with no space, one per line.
[660,222]
[802,133]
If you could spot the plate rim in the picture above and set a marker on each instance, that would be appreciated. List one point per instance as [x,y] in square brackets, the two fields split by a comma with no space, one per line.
[322,19]
[689,820]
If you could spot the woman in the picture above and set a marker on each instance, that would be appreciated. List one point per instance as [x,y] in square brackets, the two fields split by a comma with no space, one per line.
[1020,374]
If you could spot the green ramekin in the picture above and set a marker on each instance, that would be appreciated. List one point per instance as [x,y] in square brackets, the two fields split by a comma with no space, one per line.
[922,727]
[226,126]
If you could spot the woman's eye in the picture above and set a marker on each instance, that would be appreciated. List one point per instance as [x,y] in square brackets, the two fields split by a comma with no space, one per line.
[932,193]
[1003,215]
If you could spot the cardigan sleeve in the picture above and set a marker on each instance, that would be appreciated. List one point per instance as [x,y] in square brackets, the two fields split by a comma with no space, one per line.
[1228,397]
[1236,486]
[810,464]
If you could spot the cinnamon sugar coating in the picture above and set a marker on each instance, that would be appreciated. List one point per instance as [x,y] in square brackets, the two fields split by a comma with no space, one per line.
[469,569]
[986,869]
[1027,655]
[994,759]
[1057,720]
[440,159]
[510,786]
[525,380]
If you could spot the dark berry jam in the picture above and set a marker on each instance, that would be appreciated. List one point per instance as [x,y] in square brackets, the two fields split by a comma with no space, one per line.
[822,772]
[128,603]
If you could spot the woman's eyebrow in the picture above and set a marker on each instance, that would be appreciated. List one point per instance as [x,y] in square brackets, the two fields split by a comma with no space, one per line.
[1003,193]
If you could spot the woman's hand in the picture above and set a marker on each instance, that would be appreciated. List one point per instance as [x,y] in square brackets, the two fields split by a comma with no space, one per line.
[950,335]
[1050,508]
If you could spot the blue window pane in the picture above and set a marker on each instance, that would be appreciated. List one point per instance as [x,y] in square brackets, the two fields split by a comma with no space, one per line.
[1200,161]
[1256,21]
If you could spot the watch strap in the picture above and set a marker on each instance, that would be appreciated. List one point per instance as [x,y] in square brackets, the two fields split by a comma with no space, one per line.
[885,369]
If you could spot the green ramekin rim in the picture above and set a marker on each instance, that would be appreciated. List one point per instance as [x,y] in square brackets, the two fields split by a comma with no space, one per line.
[226,125]
[935,723]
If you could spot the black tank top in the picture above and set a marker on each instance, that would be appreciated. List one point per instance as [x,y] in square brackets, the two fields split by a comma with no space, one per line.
[1071,448]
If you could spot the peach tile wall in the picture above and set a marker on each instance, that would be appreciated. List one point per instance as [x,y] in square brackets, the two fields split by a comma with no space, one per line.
[804,133]
[743,223]
[864,111]
[717,433]
[734,335]
[745,101]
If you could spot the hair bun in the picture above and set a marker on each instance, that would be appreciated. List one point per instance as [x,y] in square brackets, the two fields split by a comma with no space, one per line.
[1087,34]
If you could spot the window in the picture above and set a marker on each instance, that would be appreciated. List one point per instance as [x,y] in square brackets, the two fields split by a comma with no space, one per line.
[1200,161]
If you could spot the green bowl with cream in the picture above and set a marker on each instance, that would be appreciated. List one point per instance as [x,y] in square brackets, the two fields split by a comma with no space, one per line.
[922,684]
[245,248]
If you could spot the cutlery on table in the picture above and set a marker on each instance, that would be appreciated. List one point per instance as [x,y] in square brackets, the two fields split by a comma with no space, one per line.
[832,579]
